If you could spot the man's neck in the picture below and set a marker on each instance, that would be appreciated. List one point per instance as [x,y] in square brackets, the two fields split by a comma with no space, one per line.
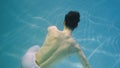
[67,30]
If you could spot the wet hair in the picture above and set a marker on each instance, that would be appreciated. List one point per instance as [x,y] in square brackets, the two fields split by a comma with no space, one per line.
[71,19]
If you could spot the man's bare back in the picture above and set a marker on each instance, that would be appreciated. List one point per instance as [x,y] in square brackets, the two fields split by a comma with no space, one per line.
[58,44]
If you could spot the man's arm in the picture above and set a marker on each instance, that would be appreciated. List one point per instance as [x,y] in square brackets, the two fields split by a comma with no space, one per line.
[82,58]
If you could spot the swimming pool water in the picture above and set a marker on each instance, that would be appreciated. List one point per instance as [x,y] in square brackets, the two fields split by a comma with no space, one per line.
[23,23]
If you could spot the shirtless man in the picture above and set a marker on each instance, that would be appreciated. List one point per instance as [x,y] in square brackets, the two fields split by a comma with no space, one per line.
[58,45]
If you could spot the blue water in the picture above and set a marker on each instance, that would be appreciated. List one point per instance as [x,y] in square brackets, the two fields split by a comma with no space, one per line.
[23,23]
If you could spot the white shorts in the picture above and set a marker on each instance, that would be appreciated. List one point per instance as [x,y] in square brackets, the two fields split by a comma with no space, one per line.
[28,60]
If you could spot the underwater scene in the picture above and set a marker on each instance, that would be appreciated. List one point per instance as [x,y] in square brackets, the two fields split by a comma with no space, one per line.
[24,23]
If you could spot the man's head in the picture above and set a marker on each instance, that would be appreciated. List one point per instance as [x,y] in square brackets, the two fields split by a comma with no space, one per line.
[71,19]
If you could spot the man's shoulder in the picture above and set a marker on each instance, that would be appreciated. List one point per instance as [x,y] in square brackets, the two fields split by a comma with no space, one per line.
[53,31]
[74,43]
[52,28]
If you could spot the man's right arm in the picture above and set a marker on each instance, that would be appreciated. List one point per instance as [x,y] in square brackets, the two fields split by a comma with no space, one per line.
[82,57]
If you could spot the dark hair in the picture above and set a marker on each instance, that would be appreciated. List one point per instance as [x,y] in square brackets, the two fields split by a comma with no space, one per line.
[72,19]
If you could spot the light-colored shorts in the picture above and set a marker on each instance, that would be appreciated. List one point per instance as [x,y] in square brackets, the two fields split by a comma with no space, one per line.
[28,60]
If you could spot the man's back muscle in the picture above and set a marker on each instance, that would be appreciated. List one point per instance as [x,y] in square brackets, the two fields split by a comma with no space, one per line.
[56,46]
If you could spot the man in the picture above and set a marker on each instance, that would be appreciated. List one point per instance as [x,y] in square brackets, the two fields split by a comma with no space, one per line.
[58,45]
